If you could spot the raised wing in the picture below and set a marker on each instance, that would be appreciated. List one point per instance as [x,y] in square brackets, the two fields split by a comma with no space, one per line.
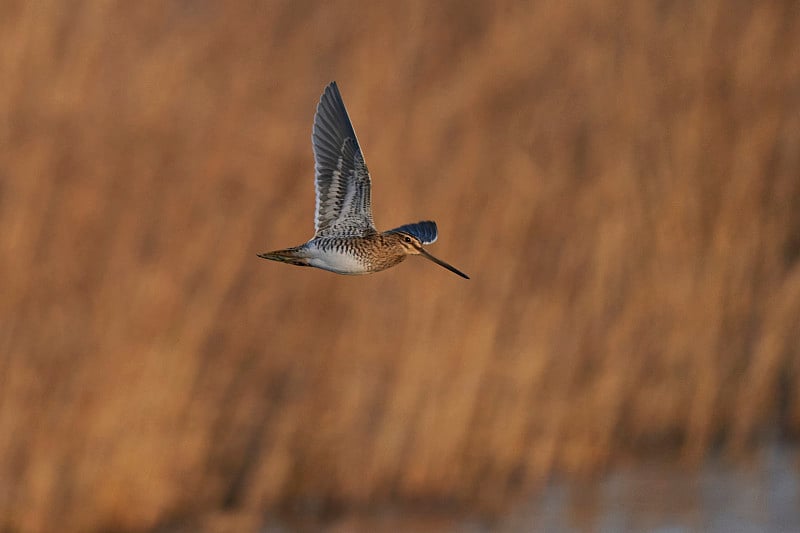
[425,231]
[341,176]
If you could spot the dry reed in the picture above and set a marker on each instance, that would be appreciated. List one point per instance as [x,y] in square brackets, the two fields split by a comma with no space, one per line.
[621,179]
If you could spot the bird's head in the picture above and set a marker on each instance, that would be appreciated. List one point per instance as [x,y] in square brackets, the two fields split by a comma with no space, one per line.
[410,244]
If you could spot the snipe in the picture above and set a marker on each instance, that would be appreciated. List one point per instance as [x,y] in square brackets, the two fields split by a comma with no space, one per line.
[345,240]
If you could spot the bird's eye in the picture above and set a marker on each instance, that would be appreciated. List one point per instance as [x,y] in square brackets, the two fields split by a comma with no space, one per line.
[407,239]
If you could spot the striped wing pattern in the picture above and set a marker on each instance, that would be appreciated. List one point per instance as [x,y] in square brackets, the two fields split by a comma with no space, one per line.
[342,180]
[425,231]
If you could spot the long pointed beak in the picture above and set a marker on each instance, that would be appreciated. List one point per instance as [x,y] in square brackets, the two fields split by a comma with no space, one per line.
[441,263]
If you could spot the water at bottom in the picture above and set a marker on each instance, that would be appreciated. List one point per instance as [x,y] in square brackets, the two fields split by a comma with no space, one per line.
[718,497]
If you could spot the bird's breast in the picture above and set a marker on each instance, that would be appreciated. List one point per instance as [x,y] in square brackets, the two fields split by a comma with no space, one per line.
[350,256]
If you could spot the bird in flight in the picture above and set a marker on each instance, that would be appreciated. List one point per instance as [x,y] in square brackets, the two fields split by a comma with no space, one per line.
[345,239]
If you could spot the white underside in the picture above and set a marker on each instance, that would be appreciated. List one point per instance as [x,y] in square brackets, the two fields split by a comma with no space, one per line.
[337,262]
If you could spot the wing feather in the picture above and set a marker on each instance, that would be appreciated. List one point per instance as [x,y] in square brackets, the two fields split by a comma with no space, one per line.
[425,231]
[343,204]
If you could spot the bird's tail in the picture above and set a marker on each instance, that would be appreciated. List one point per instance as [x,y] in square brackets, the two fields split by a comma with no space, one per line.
[293,256]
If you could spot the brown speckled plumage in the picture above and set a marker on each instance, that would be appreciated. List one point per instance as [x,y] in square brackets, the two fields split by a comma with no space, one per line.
[345,240]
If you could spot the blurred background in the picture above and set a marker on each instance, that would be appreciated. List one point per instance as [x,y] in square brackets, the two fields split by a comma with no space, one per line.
[620,179]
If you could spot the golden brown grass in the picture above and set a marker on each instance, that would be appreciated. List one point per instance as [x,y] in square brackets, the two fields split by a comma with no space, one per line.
[621,179]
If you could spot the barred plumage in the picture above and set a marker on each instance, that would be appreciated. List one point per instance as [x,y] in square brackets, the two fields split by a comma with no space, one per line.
[345,239]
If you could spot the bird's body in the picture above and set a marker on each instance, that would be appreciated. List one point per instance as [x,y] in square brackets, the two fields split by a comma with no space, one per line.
[345,255]
[346,241]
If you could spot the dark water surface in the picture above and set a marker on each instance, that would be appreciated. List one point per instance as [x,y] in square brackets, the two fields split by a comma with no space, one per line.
[719,497]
